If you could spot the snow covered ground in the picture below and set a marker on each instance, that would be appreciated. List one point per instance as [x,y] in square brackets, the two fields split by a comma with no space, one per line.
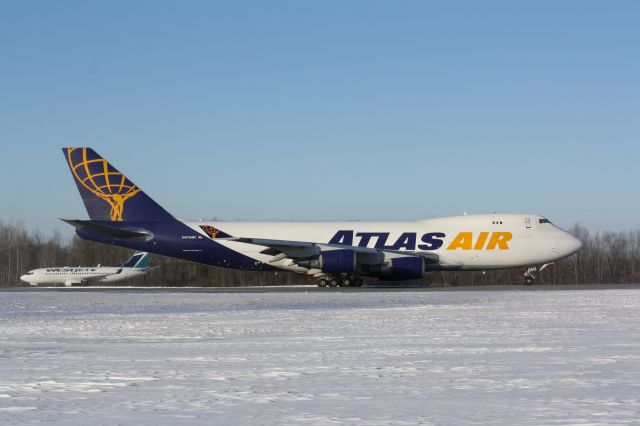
[459,358]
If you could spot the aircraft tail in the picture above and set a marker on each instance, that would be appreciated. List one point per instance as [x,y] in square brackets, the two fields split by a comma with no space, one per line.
[108,195]
[138,261]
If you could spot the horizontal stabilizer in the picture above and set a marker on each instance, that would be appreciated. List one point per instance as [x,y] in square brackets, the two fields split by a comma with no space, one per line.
[124,234]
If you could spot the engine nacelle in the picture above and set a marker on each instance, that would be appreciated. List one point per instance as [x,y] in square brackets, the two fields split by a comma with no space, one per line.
[404,268]
[332,261]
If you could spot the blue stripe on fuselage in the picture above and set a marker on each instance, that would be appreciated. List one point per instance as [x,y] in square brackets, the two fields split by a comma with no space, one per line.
[168,240]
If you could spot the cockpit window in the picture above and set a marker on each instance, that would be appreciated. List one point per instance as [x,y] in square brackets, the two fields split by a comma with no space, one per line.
[545,221]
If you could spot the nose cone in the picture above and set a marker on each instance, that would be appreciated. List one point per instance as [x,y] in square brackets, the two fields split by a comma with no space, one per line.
[574,245]
[25,278]
[563,245]
[569,245]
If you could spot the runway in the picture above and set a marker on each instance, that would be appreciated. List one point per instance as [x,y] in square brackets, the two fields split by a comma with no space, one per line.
[311,356]
[384,288]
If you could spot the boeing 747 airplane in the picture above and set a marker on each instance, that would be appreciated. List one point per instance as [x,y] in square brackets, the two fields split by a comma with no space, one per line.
[136,266]
[336,253]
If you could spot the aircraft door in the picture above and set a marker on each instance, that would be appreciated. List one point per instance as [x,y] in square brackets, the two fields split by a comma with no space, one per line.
[527,222]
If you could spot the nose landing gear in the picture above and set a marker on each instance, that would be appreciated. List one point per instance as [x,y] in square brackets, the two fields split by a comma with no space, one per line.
[529,278]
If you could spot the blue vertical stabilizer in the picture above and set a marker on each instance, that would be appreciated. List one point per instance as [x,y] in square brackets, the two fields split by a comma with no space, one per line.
[107,194]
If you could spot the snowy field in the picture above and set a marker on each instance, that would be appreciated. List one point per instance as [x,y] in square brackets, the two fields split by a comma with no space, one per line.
[376,358]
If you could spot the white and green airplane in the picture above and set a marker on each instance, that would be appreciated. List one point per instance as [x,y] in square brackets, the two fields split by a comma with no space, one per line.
[136,266]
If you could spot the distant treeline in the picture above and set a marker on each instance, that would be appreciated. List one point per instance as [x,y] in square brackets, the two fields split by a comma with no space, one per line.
[607,257]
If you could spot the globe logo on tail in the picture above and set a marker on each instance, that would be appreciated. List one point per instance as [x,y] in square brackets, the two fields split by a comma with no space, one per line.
[96,175]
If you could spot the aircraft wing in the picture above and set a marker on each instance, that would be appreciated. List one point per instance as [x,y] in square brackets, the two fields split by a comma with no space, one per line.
[297,248]
[303,253]
[81,281]
[334,257]
[96,278]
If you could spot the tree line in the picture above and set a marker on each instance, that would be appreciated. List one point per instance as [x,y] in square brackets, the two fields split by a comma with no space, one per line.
[606,257]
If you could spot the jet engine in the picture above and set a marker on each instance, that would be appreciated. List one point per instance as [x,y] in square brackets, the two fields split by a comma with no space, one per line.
[332,261]
[403,268]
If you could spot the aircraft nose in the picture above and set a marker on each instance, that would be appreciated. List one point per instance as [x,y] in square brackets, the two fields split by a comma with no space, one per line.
[25,278]
[571,244]
[564,245]
[577,245]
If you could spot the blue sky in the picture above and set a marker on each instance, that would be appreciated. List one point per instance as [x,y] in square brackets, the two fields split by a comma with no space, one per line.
[326,110]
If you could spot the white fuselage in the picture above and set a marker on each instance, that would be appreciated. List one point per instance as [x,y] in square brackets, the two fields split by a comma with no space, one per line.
[69,276]
[472,242]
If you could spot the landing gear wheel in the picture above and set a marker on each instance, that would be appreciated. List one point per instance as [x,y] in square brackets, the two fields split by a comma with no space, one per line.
[529,278]
[322,282]
[345,282]
[357,283]
[333,282]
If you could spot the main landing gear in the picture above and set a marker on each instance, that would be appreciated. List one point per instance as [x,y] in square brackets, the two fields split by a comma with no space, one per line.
[338,281]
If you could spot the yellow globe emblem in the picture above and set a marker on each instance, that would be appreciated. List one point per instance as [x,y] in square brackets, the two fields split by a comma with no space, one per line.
[102,180]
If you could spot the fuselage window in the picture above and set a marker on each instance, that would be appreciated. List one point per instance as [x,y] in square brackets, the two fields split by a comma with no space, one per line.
[544,221]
